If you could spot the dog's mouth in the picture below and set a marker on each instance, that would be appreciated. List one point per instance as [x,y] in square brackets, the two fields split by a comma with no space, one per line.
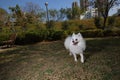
[75,43]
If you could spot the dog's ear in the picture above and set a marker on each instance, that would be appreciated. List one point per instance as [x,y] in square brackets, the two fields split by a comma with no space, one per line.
[79,34]
[73,34]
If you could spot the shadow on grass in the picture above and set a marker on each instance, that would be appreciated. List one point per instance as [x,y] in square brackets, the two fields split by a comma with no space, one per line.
[95,46]
[50,60]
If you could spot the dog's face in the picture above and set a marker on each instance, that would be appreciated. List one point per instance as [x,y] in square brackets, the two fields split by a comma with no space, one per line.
[76,38]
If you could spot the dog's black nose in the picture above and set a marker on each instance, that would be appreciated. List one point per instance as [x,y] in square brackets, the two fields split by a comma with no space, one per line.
[73,41]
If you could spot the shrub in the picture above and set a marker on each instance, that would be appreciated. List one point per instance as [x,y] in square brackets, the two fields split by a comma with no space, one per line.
[118,32]
[65,25]
[75,25]
[97,22]
[37,36]
[55,35]
[4,37]
[36,33]
[87,24]
[74,28]
[111,33]
[30,37]
[57,26]
[4,34]
[20,38]
[111,21]
[117,22]
[93,33]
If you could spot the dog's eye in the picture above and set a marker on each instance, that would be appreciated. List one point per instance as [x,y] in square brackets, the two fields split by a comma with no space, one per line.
[76,39]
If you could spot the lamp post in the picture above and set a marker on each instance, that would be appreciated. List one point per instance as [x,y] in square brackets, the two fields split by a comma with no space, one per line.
[46,4]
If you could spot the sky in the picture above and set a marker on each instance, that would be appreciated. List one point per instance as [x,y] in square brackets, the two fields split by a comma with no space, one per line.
[52,4]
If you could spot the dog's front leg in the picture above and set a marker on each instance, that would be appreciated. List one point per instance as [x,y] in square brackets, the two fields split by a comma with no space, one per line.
[82,57]
[75,57]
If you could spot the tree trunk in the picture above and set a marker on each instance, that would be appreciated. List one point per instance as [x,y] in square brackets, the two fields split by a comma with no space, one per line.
[104,23]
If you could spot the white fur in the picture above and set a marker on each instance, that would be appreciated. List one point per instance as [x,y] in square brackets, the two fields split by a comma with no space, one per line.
[76,45]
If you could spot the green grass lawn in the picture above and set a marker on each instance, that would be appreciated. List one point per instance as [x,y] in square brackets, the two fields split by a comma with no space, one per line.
[50,61]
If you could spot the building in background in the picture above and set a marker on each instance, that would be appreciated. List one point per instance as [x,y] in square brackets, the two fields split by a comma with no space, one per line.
[75,10]
[83,5]
[88,12]
[74,4]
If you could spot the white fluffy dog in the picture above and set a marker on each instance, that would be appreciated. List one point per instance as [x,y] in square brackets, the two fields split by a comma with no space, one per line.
[76,45]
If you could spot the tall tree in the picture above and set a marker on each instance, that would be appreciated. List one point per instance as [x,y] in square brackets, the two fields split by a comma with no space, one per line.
[53,14]
[17,14]
[3,16]
[61,14]
[68,13]
[18,17]
[32,8]
[104,7]
[33,12]
[76,12]
[57,15]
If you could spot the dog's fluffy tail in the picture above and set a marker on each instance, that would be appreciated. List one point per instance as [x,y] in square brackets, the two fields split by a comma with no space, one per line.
[67,42]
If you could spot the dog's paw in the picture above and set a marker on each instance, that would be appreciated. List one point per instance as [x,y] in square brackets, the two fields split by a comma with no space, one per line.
[82,60]
[70,54]
[76,60]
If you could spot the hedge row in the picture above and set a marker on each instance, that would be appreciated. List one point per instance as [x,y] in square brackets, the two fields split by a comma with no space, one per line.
[100,33]
[52,35]
[37,36]
[87,24]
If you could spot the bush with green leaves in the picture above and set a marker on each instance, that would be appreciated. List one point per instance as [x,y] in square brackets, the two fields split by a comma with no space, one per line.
[5,34]
[92,33]
[36,33]
[65,25]
[38,36]
[111,21]
[52,35]
[97,22]
[117,22]
[111,32]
